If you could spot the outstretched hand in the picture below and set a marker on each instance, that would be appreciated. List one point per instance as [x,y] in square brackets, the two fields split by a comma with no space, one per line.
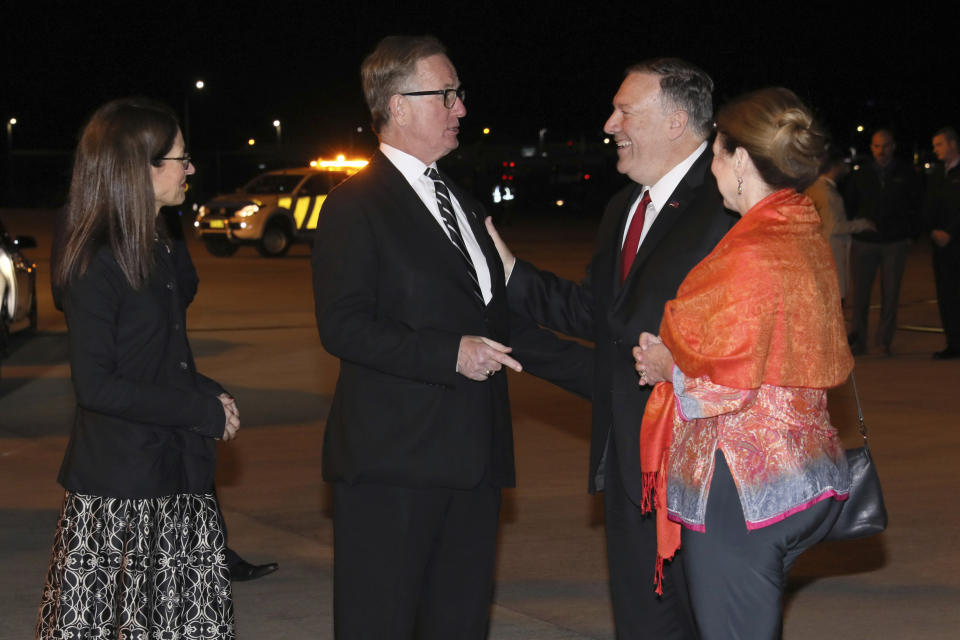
[479,358]
[506,256]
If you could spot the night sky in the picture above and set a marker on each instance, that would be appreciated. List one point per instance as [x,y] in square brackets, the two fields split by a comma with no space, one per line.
[525,65]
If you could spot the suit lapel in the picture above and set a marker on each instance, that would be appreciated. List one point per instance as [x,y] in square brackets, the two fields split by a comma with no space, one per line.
[423,225]
[472,211]
[426,232]
[408,203]
[672,212]
[475,214]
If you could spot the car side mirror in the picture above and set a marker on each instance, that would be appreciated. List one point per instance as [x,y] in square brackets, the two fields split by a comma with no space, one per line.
[26,242]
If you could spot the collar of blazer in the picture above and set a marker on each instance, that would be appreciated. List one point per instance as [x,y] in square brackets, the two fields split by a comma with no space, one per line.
[429,236]
[673,211]
[475,213]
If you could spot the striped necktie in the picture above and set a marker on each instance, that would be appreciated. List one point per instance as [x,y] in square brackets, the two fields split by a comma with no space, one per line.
[445,205]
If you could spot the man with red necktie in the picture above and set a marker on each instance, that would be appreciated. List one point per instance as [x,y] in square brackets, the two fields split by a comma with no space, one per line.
[652,233]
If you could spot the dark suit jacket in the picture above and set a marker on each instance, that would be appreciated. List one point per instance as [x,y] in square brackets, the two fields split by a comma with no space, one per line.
[614,316]
[942,204]
[393,299]
[889,197]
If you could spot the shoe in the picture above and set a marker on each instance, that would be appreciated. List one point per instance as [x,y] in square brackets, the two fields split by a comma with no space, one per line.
[243,570]
[949,353]
[888,350]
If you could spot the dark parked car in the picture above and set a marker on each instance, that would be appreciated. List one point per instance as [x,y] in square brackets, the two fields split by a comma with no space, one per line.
[18,287]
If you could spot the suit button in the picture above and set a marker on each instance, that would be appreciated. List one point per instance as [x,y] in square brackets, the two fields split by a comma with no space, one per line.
[618,341]
[183,365]
[170,286]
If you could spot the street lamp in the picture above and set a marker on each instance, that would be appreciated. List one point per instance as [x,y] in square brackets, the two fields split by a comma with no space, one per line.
[199,85]
[10,123]
[276,125]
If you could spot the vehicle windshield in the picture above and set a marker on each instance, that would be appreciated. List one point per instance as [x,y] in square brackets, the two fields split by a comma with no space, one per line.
[273,183]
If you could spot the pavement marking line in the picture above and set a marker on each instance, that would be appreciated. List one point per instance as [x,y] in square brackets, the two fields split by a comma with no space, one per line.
[920,328]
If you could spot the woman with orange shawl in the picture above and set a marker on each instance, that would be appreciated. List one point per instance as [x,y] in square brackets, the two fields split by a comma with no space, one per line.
[739,456]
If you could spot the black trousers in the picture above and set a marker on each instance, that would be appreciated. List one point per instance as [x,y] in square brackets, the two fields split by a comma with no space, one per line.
[631,555]
[736,577]
[413,563]
[946,271]
[866,258]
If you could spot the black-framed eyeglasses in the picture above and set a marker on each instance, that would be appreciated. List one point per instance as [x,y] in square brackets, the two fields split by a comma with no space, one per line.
[184,160]
[449,95]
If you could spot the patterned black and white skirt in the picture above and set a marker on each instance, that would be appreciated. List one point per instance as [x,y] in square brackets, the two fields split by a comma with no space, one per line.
[138,570]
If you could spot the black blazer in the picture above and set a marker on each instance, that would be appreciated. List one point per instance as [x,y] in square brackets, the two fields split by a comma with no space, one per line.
[393,300]
[146,420]
[889,197]
[614,316]
[942,204]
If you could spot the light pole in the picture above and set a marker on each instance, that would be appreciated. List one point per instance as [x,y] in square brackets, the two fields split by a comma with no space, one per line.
[10,123]
[199,86]
[276,125]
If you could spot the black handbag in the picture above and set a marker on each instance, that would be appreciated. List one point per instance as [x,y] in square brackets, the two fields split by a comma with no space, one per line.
[863,513]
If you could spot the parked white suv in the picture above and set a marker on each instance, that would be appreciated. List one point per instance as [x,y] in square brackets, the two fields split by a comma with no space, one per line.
[273,210]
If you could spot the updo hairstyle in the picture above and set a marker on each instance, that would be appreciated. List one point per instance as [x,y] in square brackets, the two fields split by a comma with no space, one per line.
[784,141]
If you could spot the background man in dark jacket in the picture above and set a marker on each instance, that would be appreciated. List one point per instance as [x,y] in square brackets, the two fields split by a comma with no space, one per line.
[887,193]
[942,212]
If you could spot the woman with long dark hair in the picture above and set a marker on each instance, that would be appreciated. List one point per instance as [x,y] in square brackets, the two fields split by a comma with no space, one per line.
[139,550]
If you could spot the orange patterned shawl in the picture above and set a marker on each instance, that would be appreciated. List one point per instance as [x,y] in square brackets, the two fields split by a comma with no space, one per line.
[763,307]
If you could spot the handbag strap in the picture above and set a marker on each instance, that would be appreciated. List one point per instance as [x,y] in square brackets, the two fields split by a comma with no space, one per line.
[862,425]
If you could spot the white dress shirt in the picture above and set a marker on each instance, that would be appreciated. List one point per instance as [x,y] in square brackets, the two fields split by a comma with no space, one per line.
[659,193]
[413,172]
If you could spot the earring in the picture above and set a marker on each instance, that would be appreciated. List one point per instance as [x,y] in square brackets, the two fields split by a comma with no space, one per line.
[739,185]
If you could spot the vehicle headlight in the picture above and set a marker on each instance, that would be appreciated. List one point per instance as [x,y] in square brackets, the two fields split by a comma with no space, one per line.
[247,211]
[8,282]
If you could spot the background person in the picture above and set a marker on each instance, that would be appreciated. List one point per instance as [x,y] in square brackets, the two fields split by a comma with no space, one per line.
[834,225]
[139,549]
[942,212]
[885,192]
[749,347]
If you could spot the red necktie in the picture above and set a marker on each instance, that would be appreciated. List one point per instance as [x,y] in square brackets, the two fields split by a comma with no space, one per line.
[630,245]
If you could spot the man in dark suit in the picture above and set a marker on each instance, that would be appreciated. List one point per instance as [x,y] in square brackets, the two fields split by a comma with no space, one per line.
[410,295]
[942,212]
[652,233]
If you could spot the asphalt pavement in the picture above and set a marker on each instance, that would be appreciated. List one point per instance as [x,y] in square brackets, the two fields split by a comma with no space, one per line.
[252,328]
